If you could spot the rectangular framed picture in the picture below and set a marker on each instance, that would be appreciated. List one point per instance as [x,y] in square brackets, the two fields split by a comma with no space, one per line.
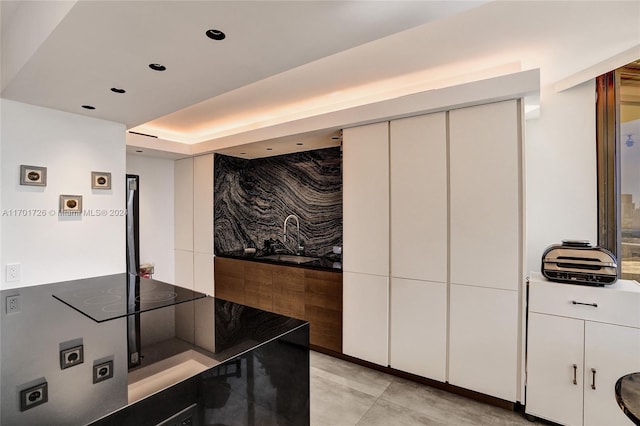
[71,204]
[100,180]
[33,175]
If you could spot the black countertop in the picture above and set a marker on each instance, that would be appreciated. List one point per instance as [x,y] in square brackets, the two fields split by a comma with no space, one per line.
[628,396]
[325,263]
[193,339]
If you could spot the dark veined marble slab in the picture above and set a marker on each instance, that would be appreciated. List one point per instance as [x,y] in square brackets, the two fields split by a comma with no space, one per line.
[252,198]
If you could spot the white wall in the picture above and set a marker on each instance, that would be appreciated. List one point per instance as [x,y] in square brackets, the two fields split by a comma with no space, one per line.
[51,248]
[561,172]
[156,213]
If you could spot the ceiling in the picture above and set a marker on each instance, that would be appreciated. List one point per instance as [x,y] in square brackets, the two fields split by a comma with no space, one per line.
[281,61]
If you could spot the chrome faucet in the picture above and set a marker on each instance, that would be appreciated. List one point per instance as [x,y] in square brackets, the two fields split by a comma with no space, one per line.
[284,231]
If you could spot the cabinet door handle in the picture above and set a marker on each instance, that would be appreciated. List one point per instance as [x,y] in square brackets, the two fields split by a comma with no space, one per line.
[593,378]
[595,305]
[575,374]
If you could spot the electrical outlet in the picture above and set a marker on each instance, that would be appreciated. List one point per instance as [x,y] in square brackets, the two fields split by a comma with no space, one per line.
[13,304]
[72,356]
[13,272]
[34,396]
[102,371]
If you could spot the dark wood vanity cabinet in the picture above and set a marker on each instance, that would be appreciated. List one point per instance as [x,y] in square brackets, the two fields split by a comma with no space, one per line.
[308,294]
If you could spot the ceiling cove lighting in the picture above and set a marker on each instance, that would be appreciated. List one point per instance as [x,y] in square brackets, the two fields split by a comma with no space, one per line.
[88,107]
[215,34]
[157,67]
[117,90]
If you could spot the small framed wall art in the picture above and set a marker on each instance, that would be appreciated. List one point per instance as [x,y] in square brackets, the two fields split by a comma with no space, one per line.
[100,180]
[71,204]
[33,175]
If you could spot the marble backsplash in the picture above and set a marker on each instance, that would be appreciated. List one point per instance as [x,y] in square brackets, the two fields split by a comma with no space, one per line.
[252,198]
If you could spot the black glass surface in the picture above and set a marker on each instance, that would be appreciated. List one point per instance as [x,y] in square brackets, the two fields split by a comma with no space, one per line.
[263,377]
[116,296]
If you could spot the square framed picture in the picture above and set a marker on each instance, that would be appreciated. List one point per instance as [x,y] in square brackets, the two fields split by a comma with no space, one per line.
[100,180]
[33,175]
[71,204]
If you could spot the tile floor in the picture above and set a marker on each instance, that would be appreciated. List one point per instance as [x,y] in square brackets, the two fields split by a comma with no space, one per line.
[346,394]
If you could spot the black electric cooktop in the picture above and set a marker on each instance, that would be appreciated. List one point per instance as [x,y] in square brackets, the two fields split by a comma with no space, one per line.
[115,296]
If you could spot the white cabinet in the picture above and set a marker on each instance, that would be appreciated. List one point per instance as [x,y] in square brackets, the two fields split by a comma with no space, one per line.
[365,321]
[365,205]
[418,338]
[418,158]
[485,181]
[483,340]
[193,210]
[576,353]
[366,242]
[486,248]
[418,314]
[433,203]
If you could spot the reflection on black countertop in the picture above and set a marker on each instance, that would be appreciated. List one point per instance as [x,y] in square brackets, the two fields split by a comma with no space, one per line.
[114,296]
[326,263]
[228,362]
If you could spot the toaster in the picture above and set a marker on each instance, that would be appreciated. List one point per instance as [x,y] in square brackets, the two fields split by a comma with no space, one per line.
[577,262]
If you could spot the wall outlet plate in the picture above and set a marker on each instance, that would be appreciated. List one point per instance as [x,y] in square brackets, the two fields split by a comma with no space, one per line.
[102,371]
[13,272]
[34,396]
[13,304]
[71,357]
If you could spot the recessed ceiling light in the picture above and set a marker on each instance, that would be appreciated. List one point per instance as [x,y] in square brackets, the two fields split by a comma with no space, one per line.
[335,138]
[88,107]
[116,90]
[157,67]
[299,144]
[215,34]
[138,150]
[269,149]
[242,153]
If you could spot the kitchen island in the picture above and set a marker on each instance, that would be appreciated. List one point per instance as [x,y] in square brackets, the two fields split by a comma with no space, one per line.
[202,360]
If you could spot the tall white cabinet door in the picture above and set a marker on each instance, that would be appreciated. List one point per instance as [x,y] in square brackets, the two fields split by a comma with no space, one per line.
[555,346]
[610,352]
[483,340]
[485,178]
[418,158]
[365,323]
[418,338]
[365,189]
[203,204]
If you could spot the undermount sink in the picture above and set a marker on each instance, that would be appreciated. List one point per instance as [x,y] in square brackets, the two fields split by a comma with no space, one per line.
[290,258]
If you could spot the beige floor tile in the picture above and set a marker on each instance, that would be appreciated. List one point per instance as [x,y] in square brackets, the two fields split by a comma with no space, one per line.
[346,394]
[351,375]
[385,413]
[334,404]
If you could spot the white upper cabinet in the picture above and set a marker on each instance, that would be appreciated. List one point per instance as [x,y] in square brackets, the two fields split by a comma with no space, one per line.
[485,191]
[366,199]
[203,204]
[418,158]
[183,204]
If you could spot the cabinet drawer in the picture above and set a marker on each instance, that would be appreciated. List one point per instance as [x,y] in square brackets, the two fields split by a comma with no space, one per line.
[615,304]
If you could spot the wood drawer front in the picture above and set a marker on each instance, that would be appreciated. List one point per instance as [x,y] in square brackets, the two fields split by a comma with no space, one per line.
[229,280]
[288,292]
[612,304]
[257,286]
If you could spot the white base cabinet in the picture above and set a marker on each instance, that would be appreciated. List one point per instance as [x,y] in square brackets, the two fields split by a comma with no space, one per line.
[483,340]
[576,352]
[418,342]
[365,317]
